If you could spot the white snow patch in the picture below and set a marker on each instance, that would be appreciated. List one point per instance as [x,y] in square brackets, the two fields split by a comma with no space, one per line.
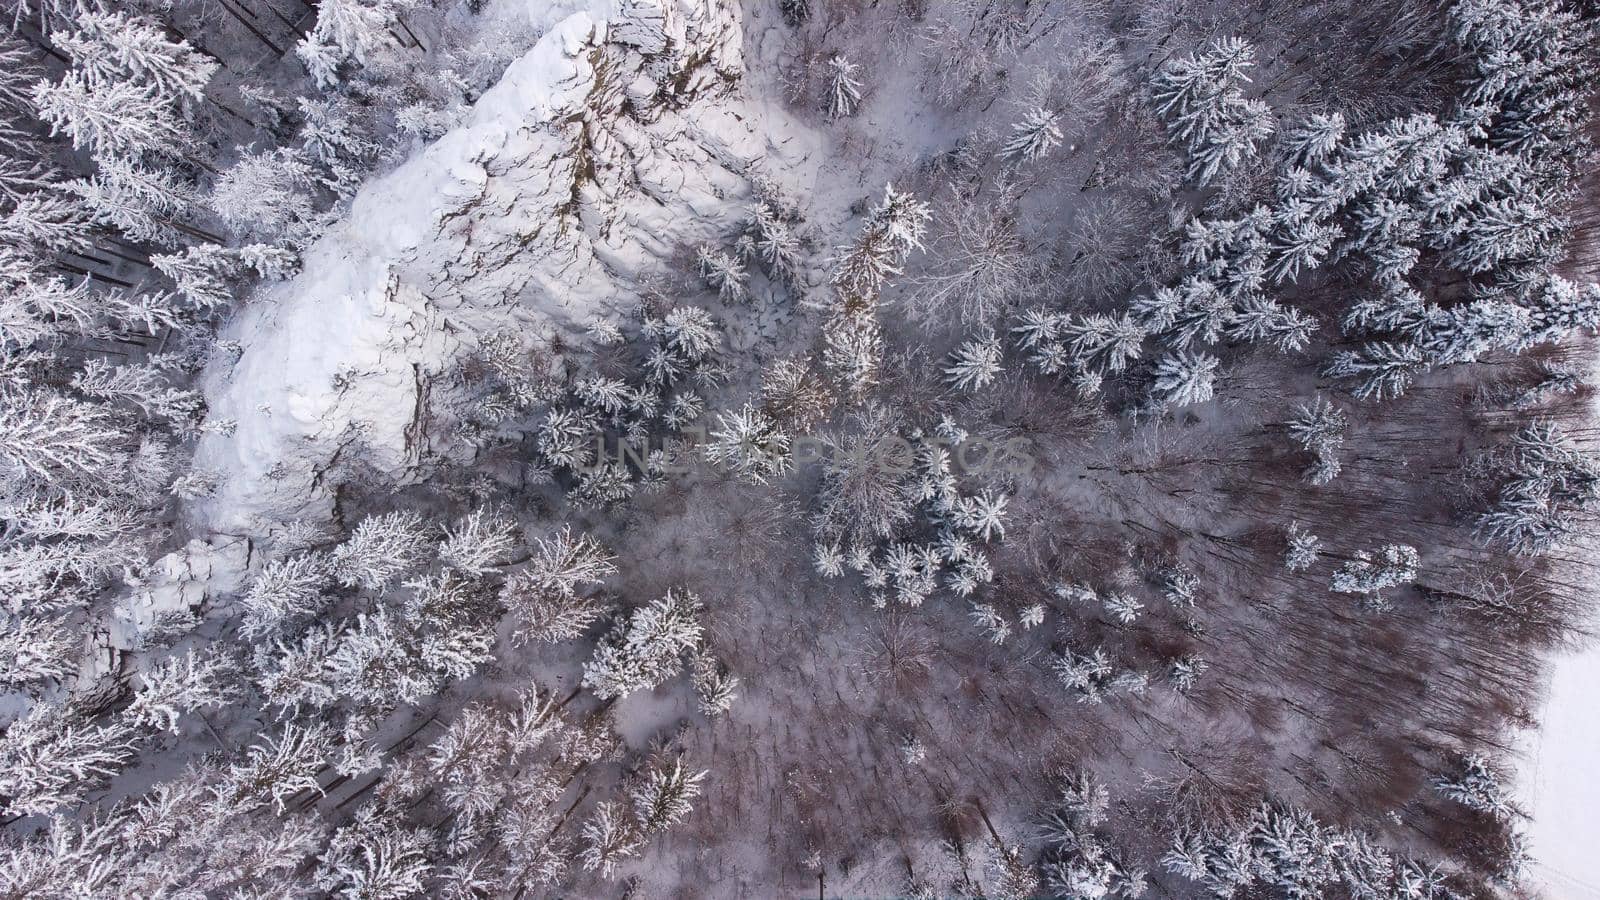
[1558,785]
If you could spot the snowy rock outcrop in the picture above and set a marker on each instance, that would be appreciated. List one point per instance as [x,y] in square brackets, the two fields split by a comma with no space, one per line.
[609,146]
[176,587]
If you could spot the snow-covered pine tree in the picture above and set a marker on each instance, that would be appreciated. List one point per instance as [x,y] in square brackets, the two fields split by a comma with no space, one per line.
[664,796]
[60,444]
[1205,110]
[1185,377]
[277,768]
[1185,672]
[894,228]
[609,838]
[1557,307]
[1319,426]
[567,438]
[645,648]
[1531,64]
[1385,369]
[35,649]
[843,87]
[1549,484]
[117,46]
[111,120]
[52,757]
[715,687]
[345,32]
[793,396]
[1474,785]
[1033,136]
[746,443]
[268,196]
[1303,548]
[380,549]
[283,593]
[975,364]
[546,598]
[144,202]
[1370,574]
[182,684]
[478,542]
[775,243]
[853,351]
[725,273]
[1313,139]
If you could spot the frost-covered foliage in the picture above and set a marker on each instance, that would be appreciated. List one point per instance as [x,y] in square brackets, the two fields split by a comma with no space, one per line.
[546,598]
[1202,101]
[1319,427]
[1286,851]
[975,364]
[645,648]
[271,627]
[893,229]
[1370,574]
[894,513]
[844,86]
[1549,484]
[1079,861]
[1475,786]
[1303,550]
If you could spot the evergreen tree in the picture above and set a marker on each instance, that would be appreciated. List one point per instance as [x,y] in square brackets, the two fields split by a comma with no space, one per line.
[111,47]
[844,87]
[608,839]
[59,443]
[1186,377]
[725,273]
[284,592]
[664,796]
[478,542]
[51,757]
[35,649]
[1548,484]
[1475,786]
[267,196]
[1371,574]
[346,31]
[112,119]
[1319,427]
[1303,549]
[280,767]
[646,648]
[179,685]
[1036,134]
[1200,99]
[775,243]
[1385,368]
[143,203]
[975,364]
[747,443]
[380,549]
[715,687]
[546,598]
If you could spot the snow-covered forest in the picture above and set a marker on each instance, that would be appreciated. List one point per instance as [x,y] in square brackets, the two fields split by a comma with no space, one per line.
[784,448]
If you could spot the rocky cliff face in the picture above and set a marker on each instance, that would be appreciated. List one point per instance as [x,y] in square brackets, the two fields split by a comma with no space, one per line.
[604,149]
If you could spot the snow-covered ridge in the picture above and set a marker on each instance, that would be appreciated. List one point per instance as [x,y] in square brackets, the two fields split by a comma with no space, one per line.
[533,215]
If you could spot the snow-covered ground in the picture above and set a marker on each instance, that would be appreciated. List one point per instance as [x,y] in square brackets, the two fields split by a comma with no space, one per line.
[1559,787]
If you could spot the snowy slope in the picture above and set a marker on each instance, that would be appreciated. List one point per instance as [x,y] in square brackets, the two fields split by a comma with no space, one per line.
[1558,784]
[611,145]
